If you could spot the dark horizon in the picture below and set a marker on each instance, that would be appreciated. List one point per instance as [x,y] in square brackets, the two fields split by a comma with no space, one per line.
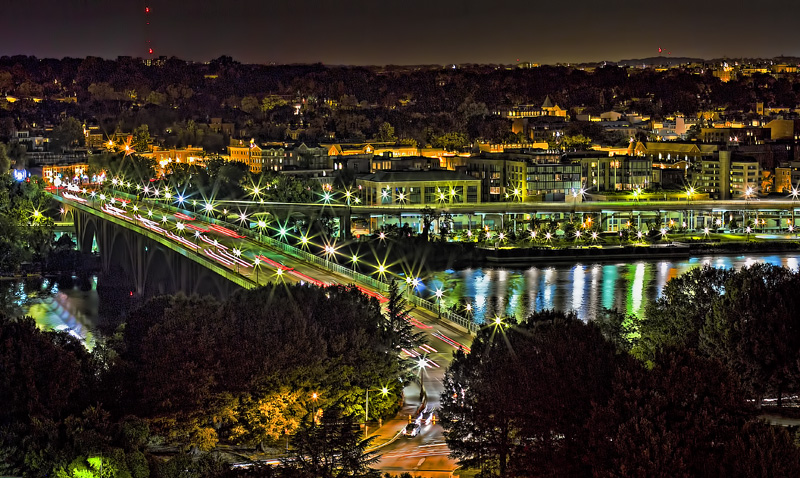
[413,32]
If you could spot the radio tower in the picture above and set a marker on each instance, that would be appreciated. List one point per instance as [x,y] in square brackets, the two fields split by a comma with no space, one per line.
[148,44]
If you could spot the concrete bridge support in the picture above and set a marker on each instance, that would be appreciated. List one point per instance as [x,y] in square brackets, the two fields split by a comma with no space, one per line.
[151,267]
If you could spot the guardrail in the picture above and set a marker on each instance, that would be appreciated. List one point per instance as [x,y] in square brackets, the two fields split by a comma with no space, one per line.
[306,256]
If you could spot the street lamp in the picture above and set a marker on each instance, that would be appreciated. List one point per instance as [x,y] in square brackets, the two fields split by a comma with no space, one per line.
[257,263]
[439,294]
[314,397]
[261,224]
[795,193]
[237,253]
[384,391]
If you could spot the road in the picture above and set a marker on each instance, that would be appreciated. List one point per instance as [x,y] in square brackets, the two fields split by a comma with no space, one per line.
[423,455]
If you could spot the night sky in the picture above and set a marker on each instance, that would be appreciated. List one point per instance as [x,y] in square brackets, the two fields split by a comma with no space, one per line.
[401,32]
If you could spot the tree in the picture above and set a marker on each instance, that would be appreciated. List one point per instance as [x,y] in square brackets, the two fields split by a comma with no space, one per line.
[519,401]
[141,138]
[675,420]
[754,329]
[68,134]
[102,92]
[575,143]
[428,215]
[386,133]
[250,104]
[5,161]
[445,221]
[676,318]
[450,141]
[332,448]
[270,102]
[399,330]
[745,318]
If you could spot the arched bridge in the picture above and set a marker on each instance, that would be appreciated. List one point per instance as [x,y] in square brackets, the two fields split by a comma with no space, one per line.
[149,262]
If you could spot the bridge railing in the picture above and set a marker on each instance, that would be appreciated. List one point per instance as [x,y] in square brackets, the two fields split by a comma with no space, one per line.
[300,254]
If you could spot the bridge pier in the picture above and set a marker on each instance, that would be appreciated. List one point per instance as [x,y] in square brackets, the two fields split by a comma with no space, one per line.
[151,266]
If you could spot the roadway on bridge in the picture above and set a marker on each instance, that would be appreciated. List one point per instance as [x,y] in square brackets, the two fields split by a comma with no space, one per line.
[425,454]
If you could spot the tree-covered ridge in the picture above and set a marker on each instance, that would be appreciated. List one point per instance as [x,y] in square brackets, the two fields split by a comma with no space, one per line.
[426,105]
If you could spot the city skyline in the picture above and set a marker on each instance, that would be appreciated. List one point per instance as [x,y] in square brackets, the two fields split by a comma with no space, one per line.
[412,32]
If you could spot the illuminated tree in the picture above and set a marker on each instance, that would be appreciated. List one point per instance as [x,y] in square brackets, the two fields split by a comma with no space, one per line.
[141,138]
[386,133]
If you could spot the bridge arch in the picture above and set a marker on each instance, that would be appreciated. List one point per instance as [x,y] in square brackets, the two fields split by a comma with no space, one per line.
[158,273]
[88,233]
[208,283]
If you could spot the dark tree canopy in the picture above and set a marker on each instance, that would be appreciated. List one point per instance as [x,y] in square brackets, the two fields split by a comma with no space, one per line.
[519,401]
[747,319]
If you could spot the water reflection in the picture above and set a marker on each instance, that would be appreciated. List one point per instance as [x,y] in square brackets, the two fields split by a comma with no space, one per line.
[584,288]
[55,304]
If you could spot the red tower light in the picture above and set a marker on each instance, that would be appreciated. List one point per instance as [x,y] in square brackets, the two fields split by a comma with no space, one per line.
[146,9]
[150,51]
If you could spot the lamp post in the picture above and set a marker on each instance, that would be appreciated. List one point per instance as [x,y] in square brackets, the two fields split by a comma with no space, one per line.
[237,253]
[257,263]
[314,397]
[384,391]
[795,193]
[439,294]
[261,224]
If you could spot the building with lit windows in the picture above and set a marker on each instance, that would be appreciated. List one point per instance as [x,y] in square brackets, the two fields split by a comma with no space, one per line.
[384,149]
[725,176]
[188,155]
[552,181]
[525,177]
[278,156]
[616,173]
[418,188]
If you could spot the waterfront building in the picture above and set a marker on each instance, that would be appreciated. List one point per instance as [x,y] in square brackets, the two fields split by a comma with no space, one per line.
[418,188]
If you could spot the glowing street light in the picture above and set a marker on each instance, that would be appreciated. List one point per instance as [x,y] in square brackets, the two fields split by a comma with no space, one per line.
[261,224]
[439,294]
[384,391]
[257,264]
[237,253]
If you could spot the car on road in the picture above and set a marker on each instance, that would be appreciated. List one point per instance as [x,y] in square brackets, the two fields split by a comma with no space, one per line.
[412,429]
[427,415]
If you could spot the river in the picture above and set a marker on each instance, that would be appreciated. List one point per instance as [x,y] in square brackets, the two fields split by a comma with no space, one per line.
[70,304]
[587,288]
